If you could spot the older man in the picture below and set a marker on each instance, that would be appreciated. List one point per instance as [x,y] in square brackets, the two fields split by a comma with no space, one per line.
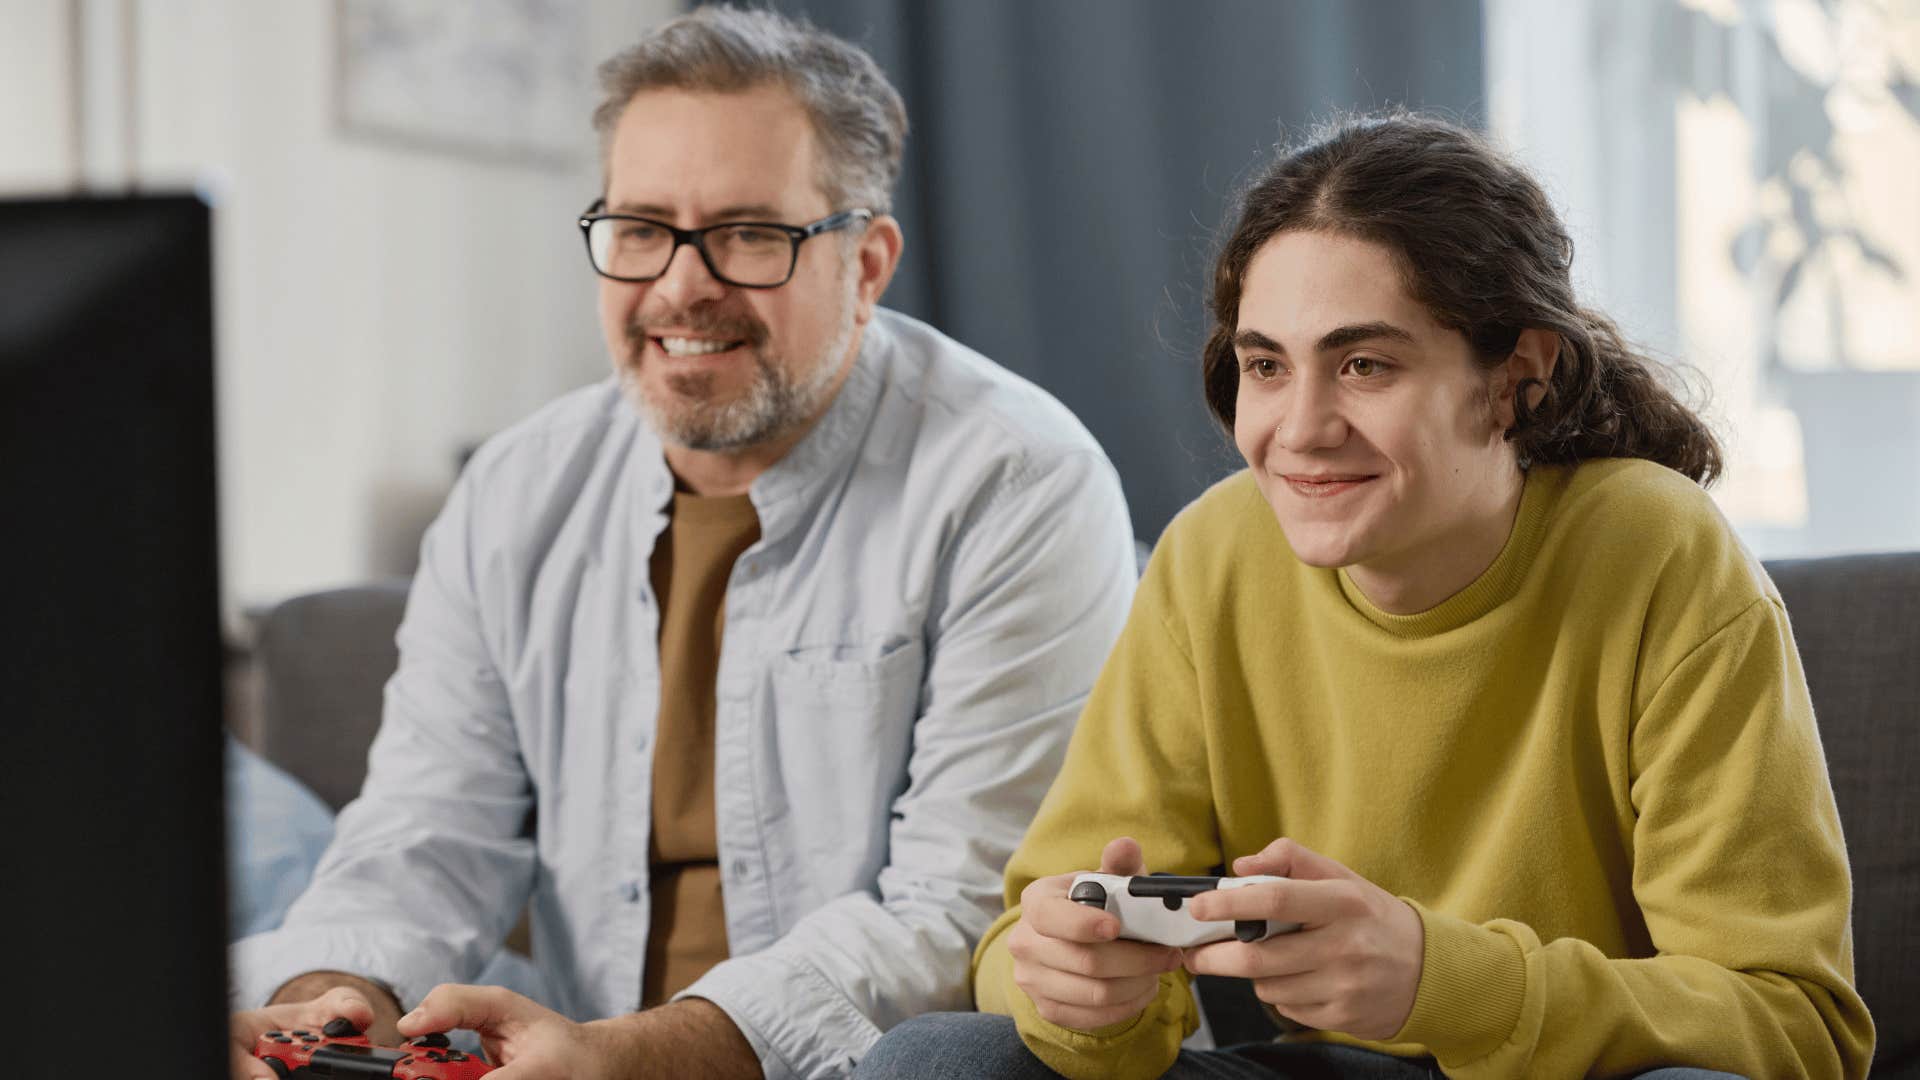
[745,668]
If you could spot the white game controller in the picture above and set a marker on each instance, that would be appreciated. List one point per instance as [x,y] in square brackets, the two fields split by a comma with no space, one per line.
[1152,908]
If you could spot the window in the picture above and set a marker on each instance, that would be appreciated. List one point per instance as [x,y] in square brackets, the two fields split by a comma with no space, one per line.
[1743,182]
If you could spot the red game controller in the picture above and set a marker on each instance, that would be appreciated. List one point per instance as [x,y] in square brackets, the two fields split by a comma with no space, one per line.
[340,1050]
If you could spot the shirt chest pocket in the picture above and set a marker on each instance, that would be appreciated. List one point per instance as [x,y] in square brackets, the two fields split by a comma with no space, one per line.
[843,730]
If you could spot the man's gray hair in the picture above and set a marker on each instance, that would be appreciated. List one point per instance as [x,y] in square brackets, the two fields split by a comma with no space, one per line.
[858,119]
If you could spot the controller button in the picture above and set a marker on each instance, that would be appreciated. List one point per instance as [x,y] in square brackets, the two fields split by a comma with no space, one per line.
[339,1028]
[283,1039]
[273,1034]
[303,1034]
[1089,892]
[1172,902]
[279,1067]
[434,1038]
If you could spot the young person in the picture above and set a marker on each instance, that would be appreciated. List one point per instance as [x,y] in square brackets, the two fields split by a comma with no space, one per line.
[1468,657]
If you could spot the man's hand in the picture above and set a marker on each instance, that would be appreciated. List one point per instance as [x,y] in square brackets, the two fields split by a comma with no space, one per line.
[691,1038]
[1066,959]
[528,1041]
[1353,966]
[245,1028]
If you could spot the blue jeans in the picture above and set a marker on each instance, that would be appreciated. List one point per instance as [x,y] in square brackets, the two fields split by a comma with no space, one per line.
[972,1045]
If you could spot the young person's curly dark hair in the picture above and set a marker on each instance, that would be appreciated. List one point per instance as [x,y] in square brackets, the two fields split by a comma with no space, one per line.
[1481,247]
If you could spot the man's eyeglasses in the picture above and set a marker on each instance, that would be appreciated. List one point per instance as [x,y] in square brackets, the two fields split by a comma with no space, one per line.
[747,254]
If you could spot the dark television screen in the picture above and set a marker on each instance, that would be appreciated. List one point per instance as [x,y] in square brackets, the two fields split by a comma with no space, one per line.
[111,682]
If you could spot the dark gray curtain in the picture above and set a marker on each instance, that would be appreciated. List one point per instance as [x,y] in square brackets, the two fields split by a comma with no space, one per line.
[1070,161]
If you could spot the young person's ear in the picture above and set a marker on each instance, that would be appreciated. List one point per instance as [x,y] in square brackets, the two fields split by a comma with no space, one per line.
[1530,364]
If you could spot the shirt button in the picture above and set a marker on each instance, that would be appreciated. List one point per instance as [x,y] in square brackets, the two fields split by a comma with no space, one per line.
[645,597]
[631,891]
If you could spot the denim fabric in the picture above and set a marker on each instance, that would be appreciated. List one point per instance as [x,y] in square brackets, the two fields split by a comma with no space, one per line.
[964,1046]
[276,830]
[972,1045]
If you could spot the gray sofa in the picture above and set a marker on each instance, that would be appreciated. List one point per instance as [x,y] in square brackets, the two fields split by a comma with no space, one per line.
[1856,619]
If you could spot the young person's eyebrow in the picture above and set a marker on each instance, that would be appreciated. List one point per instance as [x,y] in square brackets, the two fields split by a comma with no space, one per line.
[1254,339]
[1337,338]
[1343,336]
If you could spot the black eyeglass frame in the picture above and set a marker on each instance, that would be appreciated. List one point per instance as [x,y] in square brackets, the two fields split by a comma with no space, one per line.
[697,239]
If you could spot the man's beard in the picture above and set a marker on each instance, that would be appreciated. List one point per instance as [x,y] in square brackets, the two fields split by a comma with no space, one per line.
[774,402]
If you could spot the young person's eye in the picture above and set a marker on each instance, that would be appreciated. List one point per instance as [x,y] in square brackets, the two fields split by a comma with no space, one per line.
[1366,366]
[1260,367]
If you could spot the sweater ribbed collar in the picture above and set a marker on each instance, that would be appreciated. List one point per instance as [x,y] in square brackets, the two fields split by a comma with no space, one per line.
[1495,585]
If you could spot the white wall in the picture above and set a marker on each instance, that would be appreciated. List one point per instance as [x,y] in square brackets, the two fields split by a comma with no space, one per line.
[34,97]
[378,306]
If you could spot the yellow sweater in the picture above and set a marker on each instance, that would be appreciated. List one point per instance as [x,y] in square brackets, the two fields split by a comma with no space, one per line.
[1594,773]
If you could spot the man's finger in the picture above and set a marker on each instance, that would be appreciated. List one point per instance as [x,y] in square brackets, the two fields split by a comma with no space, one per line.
[1052,885]
[1310,903]
[1290,858]
[244,1066]
[1122,856]
[1108,960]
[338,1002]
[1298,992]
[1066,988]
[487,1009]
[1059,917]
[1080,1018]
[1289,954]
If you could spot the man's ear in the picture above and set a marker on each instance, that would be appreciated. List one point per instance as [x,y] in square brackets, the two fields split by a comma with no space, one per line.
[878,257]
[1531,362]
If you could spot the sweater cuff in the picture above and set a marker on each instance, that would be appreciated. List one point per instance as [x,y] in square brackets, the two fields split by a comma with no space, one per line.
[1143,1046]
[1472,983]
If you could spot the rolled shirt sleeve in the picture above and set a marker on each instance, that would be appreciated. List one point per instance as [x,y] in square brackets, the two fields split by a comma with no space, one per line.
[429,867]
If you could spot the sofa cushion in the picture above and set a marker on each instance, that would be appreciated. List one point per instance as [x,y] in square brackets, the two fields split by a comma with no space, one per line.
[324,660]
[1856,620]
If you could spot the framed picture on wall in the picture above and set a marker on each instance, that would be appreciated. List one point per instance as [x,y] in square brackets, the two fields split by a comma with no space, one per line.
[500,79]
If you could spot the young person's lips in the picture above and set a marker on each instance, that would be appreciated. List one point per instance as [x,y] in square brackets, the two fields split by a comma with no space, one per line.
[1325,486]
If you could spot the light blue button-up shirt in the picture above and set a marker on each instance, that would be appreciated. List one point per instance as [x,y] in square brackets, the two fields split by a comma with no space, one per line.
[944,563]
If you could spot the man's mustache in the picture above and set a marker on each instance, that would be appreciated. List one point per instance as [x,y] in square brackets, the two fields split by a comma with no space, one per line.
[707,324]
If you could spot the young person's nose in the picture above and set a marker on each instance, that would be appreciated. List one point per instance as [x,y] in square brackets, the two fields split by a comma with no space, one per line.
[1310,417]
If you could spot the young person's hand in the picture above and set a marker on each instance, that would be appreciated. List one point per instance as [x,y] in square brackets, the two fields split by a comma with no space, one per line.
[245,1028]
[1066,959]
[1353,966]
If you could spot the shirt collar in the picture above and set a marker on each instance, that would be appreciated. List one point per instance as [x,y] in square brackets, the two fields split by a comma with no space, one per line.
[817,457]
